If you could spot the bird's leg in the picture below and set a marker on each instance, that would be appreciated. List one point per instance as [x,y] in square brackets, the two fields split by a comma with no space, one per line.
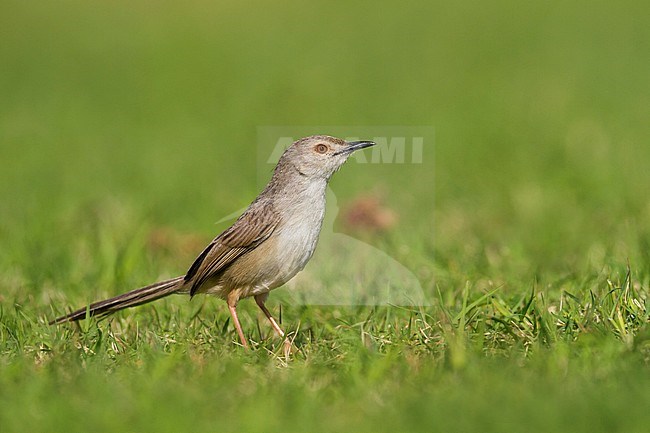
[232,306]
[260,299]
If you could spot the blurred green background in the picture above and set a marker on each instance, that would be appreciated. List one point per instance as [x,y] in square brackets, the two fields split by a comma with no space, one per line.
[539,109]
[128,128]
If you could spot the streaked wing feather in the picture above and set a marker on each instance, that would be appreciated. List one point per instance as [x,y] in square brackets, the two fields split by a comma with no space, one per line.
[251,229]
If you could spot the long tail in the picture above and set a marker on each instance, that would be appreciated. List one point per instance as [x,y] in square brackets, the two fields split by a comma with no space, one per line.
[129,299]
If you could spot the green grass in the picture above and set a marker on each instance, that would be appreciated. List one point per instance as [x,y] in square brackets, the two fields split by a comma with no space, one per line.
[127,129]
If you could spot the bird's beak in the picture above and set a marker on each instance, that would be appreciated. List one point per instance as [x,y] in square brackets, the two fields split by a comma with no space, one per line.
[355,145]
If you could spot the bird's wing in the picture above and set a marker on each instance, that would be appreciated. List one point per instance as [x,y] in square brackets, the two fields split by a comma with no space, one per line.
[252,228]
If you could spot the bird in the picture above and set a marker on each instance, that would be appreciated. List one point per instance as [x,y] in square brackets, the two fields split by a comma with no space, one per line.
[270,242]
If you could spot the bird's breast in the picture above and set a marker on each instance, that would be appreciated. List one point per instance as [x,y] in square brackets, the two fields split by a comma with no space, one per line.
[296,244]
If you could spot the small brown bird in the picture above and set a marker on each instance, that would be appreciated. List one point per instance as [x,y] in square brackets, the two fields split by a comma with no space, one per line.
[268,244]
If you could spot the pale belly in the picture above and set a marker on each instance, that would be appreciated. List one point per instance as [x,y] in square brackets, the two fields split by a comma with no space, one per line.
[295,246]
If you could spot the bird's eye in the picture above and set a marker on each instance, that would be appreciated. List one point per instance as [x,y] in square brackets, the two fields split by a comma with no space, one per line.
[321,148]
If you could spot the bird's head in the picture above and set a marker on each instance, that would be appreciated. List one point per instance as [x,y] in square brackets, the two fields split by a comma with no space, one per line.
[319,156]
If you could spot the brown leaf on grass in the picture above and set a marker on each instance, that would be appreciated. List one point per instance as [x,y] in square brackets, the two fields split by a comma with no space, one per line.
[167,239]
[369,213]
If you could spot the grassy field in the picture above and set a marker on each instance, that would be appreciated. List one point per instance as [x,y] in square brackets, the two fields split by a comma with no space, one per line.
[128,128]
